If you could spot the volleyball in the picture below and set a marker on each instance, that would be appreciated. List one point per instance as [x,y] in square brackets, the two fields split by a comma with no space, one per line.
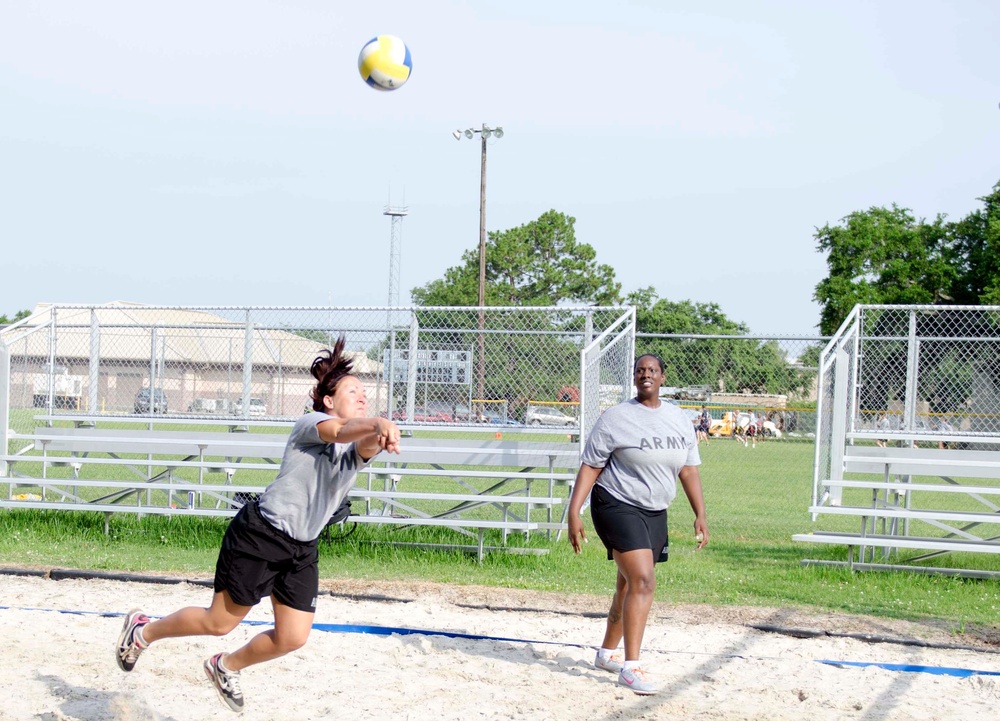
[384,62]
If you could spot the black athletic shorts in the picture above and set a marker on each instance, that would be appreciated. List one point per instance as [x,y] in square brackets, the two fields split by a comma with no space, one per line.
[257,560]
[624,527]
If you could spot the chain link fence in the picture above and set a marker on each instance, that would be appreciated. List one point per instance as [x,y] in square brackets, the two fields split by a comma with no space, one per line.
[759,396]
[476,373]
[493,366]
[928,369]
[909,373]
[769,381]
[909,424]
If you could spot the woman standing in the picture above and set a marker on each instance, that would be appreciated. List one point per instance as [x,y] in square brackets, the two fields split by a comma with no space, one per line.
[633,458]
[270,546]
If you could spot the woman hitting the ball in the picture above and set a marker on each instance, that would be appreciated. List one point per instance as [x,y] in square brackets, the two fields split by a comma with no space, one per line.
[270,547]
[630,466]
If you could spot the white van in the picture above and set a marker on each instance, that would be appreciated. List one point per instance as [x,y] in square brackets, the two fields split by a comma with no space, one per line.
[257,407]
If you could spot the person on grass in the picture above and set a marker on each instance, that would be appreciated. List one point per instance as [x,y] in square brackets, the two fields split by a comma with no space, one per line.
[629,468]
[704,424]
[270,546]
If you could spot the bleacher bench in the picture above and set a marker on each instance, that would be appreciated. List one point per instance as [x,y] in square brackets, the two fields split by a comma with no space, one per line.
[900,498]
[160,458]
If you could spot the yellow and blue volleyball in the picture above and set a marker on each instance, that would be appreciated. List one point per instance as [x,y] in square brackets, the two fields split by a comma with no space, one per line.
[385,62]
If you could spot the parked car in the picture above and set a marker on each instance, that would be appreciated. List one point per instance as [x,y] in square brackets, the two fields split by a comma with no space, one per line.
[423,415]
[460,413]
[142,402]
[449,412]
[494,418]
[257,407]
[695,393]
[204,405]
[547,416]
[437,412]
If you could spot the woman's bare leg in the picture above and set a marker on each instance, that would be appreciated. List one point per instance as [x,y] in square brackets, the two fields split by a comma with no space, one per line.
[613,631]
[637,570]
[290,633]
[217,620]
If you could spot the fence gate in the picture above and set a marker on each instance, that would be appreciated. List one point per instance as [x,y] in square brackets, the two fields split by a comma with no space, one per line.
[907,458]
[606,371]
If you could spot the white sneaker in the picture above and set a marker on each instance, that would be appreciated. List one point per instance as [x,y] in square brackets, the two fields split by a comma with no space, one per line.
[636,680]
[227,683]
[612,663]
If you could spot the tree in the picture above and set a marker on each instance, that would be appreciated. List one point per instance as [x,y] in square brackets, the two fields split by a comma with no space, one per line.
[536,264]
[539,263]
[883,256]
[975,251]
[659,315]
[738,364]
[21,314]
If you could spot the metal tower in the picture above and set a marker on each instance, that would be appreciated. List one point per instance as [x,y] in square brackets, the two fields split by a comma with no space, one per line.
[395,233]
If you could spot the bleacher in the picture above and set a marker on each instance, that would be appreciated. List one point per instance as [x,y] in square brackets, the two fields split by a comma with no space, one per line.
[472,487]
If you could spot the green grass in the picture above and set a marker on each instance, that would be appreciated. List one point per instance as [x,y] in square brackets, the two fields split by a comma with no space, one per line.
[756,499]
[729,572]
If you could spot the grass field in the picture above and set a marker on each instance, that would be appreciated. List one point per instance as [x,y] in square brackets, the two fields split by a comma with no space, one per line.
[756,499]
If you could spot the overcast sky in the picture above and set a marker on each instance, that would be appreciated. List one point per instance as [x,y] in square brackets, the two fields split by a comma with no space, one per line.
[206,153]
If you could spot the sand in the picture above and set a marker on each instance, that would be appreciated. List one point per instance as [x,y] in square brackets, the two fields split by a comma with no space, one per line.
[536,662]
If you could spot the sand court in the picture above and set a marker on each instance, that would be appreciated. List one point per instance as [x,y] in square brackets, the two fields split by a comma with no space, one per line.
[431,652]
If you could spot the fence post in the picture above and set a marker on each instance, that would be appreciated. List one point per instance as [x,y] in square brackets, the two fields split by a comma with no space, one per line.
[95,363]
[4,403]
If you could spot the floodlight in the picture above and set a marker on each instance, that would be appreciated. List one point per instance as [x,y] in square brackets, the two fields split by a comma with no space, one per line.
[457,134]
[498,132]
[486,132]
[469,133]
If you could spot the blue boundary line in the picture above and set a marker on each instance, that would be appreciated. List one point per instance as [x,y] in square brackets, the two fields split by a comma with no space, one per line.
[913,668]
[402,631]
[336,628]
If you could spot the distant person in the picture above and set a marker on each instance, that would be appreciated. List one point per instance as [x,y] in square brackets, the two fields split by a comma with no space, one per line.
[634,456]
[703,426]
[921,428]
[882,424]
[945,428]
[270,546]
[750,432]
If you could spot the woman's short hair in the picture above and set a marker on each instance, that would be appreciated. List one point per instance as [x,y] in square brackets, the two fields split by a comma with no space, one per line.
[659,360]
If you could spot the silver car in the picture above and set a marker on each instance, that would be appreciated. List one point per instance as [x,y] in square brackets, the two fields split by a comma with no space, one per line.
[547,416]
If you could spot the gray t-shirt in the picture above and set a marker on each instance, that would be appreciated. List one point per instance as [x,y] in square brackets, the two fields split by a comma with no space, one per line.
[313,480]
[641,451]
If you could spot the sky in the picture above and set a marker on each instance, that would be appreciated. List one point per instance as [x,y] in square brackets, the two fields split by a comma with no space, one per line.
[229,153]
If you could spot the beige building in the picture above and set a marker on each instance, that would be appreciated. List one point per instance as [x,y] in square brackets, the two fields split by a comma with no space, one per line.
[203,362]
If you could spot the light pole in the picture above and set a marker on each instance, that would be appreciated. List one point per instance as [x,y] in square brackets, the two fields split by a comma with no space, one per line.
[484,133]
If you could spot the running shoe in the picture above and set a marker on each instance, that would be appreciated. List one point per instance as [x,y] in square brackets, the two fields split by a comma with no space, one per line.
[636,680]
[129,648]
[612,663]
[227,683]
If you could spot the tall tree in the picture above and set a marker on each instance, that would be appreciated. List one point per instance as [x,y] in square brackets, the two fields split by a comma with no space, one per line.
[536,264]
[659,315]
[975,252]
[539,263]
[738,365]
[883,256]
